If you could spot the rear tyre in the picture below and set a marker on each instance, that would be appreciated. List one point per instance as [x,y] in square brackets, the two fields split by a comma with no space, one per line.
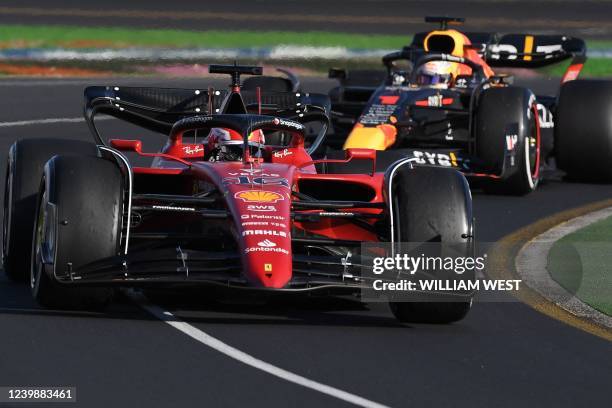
[508,139]
[78,221]
[432,204]
[25,163]
[583,130]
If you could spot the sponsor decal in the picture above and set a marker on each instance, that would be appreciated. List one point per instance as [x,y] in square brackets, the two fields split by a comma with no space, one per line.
[511,141]
[510,51]
[288,123]
[272,233]
[267,249]
[282,153]
[377,114]
[255,223]
[193,149]
[171,208]
[247,172]
[435,101]
[258,196]
[572,72]
[264,224]
[453,158]
[461,83]
[437,159]
[262,217]
[260,180]
[261,208]
[449,132]
[266,243]
[546,120]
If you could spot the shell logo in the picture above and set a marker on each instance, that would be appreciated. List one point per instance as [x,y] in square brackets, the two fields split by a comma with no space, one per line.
[257,196]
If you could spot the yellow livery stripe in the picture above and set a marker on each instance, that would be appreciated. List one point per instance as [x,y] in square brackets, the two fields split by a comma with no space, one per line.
[528,47]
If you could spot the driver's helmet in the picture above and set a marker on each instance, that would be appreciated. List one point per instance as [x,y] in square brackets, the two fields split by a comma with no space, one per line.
[228,143]
[438,74]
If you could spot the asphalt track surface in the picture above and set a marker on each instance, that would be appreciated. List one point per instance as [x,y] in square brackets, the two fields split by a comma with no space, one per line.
[502,354]
[573,17]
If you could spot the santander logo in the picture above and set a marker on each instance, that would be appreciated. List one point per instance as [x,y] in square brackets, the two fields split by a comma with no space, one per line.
[266,243]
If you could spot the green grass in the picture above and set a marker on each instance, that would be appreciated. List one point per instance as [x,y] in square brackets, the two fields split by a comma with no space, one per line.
[53,36]
[28,36]
[58,35]
[598,44]
[581,262]
[594,67]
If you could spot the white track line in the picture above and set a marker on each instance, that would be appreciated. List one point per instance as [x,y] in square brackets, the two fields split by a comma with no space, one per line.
[248,359]
[47,121]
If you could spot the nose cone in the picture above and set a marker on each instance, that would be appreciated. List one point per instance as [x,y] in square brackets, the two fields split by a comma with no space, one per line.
[261,212]
[267,266]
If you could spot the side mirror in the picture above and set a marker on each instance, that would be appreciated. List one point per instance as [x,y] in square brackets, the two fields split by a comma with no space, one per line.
[127,145]
[361,154]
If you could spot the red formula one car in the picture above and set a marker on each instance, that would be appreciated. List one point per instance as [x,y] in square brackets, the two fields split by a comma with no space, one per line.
[233,200]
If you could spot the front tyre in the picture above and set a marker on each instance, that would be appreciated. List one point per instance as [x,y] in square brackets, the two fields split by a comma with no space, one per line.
[432,204]
[508,139]
[78,221]
[25,162]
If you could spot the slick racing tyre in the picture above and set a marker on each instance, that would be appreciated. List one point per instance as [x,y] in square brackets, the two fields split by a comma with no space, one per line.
[26,159]
[78,221]
[583,130]
[508,139]
[432,204]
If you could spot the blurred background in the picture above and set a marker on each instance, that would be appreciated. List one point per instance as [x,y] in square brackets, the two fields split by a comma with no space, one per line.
[179,38]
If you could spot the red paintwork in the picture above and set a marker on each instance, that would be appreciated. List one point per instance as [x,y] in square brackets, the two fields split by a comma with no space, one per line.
[538,137]
[258,196]
[389,99]
[160,171]
[445,101]
[572,72]
[127,145]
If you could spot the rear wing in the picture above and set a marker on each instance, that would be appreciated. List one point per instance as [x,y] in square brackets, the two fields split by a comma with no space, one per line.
[533,51]
[158,109]
[530,51]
